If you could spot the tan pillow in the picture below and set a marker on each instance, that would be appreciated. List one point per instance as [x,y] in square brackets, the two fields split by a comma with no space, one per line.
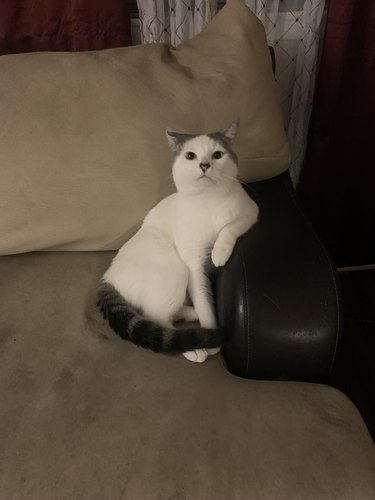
[83,154]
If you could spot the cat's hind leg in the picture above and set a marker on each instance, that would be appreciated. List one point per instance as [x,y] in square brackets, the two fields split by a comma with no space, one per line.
[186,313]
[213,351]
[200,355]
[200,294]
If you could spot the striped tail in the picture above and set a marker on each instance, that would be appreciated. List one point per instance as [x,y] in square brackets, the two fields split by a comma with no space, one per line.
[127,322]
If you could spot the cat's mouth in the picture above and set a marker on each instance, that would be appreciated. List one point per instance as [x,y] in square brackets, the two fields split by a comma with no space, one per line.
[204,176]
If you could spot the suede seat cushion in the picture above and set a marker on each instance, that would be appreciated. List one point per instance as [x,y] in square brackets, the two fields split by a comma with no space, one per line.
[85,415]
[83,154]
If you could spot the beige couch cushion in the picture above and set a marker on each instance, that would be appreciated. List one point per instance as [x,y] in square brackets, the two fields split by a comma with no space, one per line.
[83,154]
[85,415]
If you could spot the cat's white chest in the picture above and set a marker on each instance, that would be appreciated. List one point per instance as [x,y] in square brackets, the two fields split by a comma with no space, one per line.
[197,223]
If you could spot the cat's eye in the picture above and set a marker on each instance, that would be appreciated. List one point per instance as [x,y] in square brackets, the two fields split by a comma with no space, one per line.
[190,155]
[217,155]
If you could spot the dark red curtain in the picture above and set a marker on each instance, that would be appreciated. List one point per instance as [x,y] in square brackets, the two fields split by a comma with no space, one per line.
[63,25]
[338,180]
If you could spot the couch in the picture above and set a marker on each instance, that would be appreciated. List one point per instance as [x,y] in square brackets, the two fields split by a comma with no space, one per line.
[87,416]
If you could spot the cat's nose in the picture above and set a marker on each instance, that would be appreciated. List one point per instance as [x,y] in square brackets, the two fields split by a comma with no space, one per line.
[204,167]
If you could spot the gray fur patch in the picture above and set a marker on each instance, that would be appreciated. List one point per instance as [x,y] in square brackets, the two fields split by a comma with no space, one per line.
[168,338]
[225,143]
[177,141]
[133,323]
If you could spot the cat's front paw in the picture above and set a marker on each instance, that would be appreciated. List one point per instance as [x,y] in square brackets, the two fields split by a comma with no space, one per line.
[197,356]
[220,254]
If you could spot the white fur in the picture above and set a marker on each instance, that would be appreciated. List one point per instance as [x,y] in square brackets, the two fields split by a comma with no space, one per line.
[161,267]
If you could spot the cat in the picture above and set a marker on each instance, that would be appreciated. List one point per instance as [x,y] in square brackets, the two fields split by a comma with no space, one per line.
[158,277]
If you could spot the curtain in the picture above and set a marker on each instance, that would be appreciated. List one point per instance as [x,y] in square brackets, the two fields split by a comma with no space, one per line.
[338,180]
[293,28]
[174,21]
[35,25]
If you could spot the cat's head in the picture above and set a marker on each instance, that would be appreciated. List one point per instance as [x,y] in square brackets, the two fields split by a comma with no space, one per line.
[204,161]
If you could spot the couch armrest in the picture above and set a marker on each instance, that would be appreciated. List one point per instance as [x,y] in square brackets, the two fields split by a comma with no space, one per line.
[278,296]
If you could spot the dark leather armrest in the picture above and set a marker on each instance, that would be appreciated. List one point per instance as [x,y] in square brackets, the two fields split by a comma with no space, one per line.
[278,296]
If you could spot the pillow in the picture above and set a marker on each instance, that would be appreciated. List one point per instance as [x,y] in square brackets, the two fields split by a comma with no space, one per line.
[82,135]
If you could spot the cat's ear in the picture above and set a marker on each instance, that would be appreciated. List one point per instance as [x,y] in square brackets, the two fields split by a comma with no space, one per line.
[231,131]
[172,139]
[176,140]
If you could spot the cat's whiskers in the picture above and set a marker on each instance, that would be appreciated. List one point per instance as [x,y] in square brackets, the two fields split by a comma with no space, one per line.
[230,177]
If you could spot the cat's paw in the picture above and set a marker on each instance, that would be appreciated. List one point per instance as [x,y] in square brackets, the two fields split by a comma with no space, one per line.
[213,351]
[220,254]
[197,356]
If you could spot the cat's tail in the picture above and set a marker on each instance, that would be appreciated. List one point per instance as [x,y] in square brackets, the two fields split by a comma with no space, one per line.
[129,323]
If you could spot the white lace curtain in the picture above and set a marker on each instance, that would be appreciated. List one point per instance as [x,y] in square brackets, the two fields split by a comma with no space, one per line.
[172,21]
[293,28]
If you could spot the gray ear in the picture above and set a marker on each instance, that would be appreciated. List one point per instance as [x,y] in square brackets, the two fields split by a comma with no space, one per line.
[172,139]
[231,131]
[176,140]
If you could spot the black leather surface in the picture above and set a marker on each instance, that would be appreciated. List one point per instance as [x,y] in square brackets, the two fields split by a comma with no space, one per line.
[278,296]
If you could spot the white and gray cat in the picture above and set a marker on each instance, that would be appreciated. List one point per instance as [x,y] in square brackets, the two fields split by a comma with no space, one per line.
[159,272]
